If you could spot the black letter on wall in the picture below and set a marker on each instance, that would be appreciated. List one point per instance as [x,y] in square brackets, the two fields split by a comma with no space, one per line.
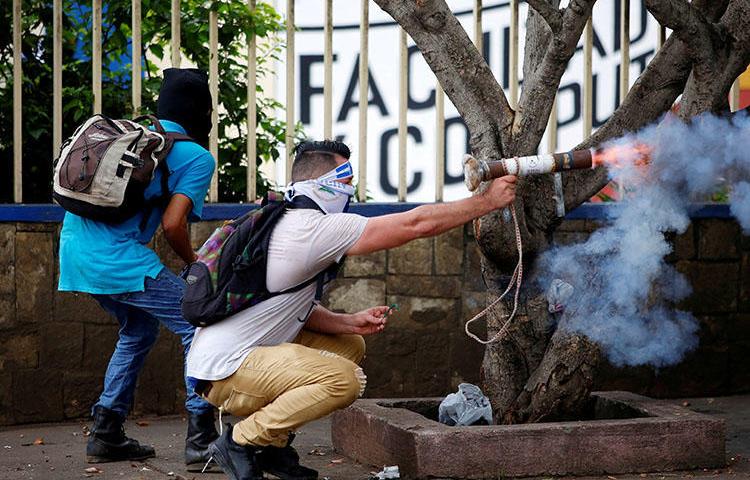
[351,102]
[385,184]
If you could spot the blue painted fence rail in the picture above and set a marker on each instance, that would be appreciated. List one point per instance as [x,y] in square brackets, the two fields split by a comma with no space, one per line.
[42,213]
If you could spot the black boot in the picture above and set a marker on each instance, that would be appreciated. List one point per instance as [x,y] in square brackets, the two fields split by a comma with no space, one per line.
[108,443]
[284,463]
[237,461]
[201,432]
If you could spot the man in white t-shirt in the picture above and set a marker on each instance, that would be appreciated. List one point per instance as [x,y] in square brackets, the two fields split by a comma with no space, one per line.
[288,360]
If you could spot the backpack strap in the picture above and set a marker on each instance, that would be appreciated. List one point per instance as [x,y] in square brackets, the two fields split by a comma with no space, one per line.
[159,201]
[152,118]
[162,199]
[176,137]
[325,276]
[179,137]
[320,279]
[302,201]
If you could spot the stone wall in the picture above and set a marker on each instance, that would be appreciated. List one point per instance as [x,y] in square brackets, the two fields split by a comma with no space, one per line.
[54,346]
[714,255]
[436,284]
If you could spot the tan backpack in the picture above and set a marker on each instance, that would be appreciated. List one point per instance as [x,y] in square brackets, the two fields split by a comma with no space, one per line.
[104,168]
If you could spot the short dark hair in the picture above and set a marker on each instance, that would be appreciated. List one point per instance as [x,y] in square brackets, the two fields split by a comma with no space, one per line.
[314,158]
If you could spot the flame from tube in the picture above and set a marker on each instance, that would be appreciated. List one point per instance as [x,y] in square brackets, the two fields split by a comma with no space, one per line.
[618,156]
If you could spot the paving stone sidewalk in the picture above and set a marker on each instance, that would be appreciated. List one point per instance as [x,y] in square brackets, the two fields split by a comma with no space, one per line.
[56,451]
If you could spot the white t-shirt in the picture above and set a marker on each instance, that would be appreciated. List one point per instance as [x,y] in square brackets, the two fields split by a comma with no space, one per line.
[304,243]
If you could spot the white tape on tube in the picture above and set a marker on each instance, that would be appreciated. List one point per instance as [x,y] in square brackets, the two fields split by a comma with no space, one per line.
[534,164]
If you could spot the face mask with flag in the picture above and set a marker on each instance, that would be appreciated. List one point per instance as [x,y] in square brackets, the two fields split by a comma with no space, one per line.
[327,191]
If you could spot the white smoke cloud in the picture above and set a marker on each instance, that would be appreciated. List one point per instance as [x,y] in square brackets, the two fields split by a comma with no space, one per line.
[624,290]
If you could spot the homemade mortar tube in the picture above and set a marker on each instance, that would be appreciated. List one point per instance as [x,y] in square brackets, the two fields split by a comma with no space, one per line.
[478,171]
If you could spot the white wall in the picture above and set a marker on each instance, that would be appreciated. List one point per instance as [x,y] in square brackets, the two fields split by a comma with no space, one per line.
[383,64]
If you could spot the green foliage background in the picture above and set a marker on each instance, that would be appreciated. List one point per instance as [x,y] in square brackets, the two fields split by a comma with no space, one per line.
[235,22]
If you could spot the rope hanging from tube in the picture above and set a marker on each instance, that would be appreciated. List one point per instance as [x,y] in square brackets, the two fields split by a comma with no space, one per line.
[514,280]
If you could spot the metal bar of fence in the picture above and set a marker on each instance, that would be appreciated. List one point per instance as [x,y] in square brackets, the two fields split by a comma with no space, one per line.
[175,40]
[661,36]
[136,56]
[478,24]
[439,142]
[56,77]
[328,71]
[624,48]
[213,82]
[252,121]
[552,128]
[551,148]
[734,96]
[96,55]
[328,112]
[625,62]
[402,107]
[440,100]
[513,74]
[588,92]
[17,106]
[364,90]
[289,87]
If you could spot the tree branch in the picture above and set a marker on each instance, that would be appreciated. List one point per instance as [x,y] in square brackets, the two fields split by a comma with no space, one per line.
[460,68]
[653,93]
[689,25]
[736,23]
[714,71]
[550,14]
[540,89]
[550,57]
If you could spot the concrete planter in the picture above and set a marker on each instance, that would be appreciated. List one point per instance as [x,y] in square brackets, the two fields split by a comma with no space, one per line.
[629,433]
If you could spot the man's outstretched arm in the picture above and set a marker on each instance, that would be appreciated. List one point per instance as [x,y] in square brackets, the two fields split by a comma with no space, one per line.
[174,223]
[389,231]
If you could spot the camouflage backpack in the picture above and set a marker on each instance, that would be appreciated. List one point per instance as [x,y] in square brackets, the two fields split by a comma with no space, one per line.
[230,273]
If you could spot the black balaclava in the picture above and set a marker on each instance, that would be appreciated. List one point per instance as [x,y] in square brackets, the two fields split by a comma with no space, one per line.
[184,98]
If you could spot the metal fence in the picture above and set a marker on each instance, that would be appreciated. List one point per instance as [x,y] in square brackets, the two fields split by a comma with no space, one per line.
[96,85]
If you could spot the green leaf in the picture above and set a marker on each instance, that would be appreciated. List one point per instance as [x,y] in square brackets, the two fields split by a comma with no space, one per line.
[157,50]
[236,21]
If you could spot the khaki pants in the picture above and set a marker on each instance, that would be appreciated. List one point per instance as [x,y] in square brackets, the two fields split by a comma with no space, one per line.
[282,387]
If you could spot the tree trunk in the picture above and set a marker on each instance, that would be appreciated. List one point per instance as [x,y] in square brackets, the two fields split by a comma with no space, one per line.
[509,362]
[559,388]
[530,374]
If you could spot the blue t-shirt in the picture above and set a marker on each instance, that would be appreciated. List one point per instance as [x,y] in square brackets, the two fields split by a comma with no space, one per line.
[96,257]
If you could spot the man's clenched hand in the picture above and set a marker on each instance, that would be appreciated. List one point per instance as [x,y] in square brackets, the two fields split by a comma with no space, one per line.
[502,191]
[367,322]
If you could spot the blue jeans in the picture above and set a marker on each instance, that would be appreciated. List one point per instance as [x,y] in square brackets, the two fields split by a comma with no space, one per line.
[139,315]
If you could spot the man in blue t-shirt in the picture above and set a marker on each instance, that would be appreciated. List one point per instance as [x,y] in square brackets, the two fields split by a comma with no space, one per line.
[113,264]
